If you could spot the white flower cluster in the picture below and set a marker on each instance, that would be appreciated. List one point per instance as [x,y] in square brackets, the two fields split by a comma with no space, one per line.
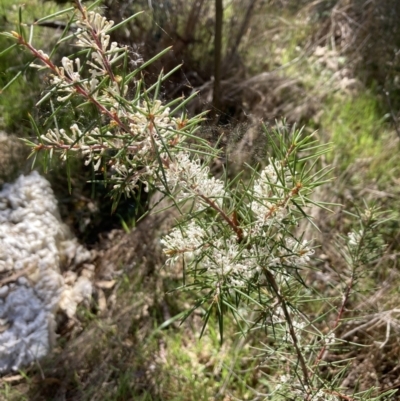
[292,253]
[94,26]
[92,34]
[138,131]
[224,260]
[193,180]
[133,135]
[239,256]
[279,322]
[67,77]
[330,338]
[324,396]
[33,241]
[289,388]
[354,238]
[188,241]
[271,199]
[151,129]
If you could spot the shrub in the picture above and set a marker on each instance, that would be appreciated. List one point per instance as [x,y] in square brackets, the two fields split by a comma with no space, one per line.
[236,240]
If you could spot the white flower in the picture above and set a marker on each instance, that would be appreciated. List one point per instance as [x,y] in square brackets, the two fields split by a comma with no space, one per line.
[221,259]
[97,64]
[301,251]
[97,22]
[355,238]
[270,201]
[69,68]
[125,179]
[227,260]
[292,253]
[186,241]
[194,180]
[66,78]
[321,395]
[284,380]
[330,338]
[95,26]
[154,113]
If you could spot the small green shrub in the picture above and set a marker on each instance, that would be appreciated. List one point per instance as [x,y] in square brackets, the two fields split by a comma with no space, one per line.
[236,240]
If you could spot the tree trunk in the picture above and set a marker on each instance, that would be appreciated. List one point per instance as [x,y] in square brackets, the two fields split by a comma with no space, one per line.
[219,14]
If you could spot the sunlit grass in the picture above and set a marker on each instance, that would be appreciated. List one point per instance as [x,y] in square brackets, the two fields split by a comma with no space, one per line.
[185,367]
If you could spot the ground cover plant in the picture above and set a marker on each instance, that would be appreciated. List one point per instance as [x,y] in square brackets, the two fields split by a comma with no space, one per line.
[238,243]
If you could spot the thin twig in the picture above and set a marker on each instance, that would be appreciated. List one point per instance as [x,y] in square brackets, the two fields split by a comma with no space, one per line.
[282,301]
[396,126]
[345,299]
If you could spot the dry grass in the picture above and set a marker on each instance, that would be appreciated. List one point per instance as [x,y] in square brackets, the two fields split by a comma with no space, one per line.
[114,350]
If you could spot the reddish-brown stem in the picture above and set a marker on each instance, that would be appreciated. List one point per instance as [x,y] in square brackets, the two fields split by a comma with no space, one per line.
[95,37]
[292,147]
[231,222]
[79,89]
[321,354]
[342,396]
[271,280]
[294,191]
[346,296]
[238,231]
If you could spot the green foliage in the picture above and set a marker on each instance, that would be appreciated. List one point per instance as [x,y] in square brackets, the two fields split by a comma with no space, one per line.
[237,241]
[18,99]
[357,128]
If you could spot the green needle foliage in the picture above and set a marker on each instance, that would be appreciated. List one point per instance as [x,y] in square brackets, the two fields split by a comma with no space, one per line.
[237,240]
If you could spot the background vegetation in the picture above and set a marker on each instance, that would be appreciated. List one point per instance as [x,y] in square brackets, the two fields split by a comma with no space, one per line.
[331,65]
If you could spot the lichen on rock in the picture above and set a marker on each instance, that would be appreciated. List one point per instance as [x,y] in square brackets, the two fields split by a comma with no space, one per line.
[33,242]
